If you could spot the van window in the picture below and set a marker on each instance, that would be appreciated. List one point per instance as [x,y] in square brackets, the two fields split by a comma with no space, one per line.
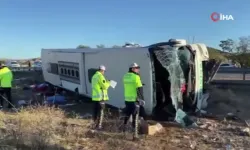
[61,70]
[91,72]
[77,74]
[68,72]
[73,73]
[53,68]
[65,71]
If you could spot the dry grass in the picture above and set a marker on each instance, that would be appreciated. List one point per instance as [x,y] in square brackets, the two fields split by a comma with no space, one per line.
[51,128]
[41,128]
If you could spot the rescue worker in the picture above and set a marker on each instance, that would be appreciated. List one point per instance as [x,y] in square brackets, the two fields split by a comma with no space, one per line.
[133,93]
[99,94]
[6,78]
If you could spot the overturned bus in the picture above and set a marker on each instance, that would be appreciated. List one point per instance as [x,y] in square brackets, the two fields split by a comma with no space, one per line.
[172,72]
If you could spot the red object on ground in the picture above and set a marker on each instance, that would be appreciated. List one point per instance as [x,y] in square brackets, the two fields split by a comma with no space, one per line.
[41,88]
[183,88]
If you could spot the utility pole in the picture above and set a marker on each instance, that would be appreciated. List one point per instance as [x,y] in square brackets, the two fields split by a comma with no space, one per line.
[193,39]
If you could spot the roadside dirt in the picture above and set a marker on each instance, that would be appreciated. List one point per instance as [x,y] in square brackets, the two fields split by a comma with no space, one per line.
[211,133]
[234,101]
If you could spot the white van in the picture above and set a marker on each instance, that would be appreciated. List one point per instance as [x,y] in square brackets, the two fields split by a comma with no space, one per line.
[166,79]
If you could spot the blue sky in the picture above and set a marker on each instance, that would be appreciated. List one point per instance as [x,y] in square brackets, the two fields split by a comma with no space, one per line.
[27,26]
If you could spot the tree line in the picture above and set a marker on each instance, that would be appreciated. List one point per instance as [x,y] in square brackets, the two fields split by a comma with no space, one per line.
[237,50]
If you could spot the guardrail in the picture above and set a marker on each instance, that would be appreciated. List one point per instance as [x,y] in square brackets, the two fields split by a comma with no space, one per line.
[234,70]
[232,76]
[16,69]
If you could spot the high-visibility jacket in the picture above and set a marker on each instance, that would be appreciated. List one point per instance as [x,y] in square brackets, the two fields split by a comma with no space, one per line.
[99,87]
[131,82]
[6,77]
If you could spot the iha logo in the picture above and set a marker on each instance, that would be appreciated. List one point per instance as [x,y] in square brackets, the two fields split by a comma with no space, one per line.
[220,17]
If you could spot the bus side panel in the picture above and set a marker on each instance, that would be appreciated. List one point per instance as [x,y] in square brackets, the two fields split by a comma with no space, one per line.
[49,57]
[117,64]
[54,57]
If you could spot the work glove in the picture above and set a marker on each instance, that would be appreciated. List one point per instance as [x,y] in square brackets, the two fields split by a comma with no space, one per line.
[141,102]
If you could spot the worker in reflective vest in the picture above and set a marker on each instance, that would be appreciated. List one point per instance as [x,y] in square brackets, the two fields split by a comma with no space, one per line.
[99,94]
[6,78]
[133,93]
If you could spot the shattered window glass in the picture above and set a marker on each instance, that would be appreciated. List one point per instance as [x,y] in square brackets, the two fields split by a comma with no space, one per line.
[169,59]
[184,56]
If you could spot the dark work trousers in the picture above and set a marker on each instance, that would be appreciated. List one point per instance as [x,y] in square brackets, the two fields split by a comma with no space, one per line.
[131,110]
[97,110]
[142,112]
[6,92]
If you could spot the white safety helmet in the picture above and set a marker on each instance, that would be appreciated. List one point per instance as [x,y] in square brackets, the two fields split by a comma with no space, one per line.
[134,65]
[2,65]
[102,67]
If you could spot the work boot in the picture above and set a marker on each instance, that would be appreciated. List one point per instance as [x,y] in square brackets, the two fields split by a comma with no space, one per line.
[99,128]
[93,124]
[136,138]
[124,128]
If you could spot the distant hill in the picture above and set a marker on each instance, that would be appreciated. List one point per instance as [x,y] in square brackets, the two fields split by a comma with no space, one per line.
[217,54]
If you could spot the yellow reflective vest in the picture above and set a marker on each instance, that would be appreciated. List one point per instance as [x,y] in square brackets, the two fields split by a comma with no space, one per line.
[131,82]
[6,77]
[99,87]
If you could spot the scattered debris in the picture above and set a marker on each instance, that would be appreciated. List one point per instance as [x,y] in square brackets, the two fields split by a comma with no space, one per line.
[204,126]
[193,144]
[176,141]
[67,105]
[204,136]
[56,99]
[183,119]
[186,137]
[153,129]
[22,103]
[231,116]
[246,131]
